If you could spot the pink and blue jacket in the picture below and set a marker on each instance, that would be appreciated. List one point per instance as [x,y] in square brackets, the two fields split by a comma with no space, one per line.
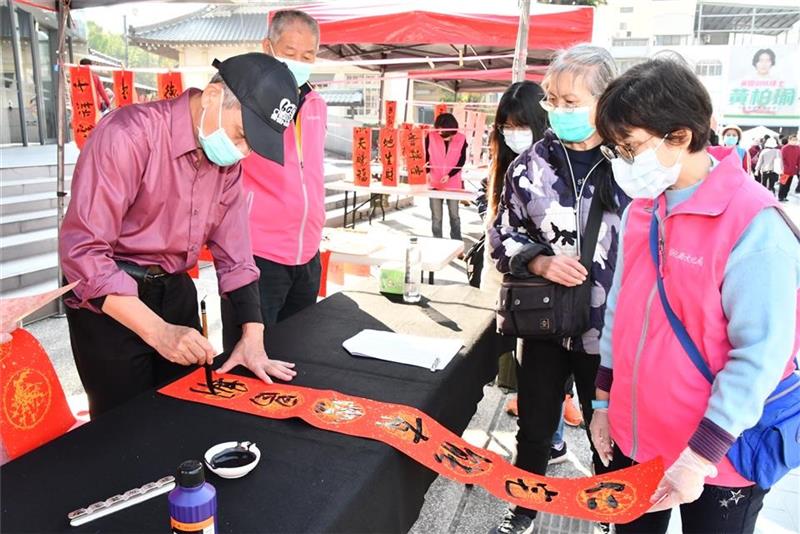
[287,202]
[731,269]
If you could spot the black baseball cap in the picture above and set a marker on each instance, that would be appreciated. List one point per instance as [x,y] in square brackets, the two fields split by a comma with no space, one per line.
[268,93]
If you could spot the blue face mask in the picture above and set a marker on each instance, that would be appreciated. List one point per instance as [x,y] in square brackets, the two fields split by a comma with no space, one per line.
[731,140]
[299,69]
[571,126]
[217,145]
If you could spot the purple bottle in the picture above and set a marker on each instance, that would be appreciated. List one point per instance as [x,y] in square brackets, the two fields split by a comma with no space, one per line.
[193,502]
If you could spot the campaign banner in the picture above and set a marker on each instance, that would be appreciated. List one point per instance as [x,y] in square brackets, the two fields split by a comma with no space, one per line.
[763,86]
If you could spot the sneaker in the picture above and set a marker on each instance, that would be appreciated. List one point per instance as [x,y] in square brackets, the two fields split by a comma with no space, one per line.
[572,415]
[511,407]
[602,528]
[514,523]
[558,455]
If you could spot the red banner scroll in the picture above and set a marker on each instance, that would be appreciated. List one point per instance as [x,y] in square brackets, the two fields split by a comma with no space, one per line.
[362,154]
[617,497]
[391,113]
[84,104]
[123,88]
[170,85]
[403,132]
[389,153]
[415,160]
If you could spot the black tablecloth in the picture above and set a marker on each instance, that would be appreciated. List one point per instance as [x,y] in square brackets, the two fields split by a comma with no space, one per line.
[308,480]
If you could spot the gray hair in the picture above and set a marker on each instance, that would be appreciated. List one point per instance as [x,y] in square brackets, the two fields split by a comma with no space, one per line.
[285,18]
[594,63]
[229,99]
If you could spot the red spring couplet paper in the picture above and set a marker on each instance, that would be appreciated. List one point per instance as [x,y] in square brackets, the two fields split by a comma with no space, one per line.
[170,85]
[362,154]
[439,109]
[403,131]
[123,88]
[34,408]
[84,104]
[389,154]
[391,113]
[415,159]
[617,497]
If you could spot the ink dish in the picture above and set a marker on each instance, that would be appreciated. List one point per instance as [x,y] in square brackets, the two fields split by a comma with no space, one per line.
[233,459]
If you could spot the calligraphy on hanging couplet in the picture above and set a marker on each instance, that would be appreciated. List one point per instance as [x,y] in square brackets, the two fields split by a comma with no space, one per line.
[403,132]
[123,88]
[415,160]
[477,140]
[170,85]
[439,109]
[389,153]
[617,497]
[84,104]
[391,113]
[362,154]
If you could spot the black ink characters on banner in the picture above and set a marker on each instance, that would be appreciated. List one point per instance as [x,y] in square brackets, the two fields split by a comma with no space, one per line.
[400,425]
[273,400]
[536,491]
[462,461]
[224,389]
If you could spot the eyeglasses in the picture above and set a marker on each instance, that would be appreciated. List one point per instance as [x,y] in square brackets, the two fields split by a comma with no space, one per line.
[569,108]
[508,128]
[626,153]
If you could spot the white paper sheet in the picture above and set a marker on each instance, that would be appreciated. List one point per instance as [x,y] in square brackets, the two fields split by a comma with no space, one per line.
[400,348]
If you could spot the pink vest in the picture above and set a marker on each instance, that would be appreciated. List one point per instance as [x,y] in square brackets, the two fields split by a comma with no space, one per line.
[287,202]
[658,397]
[442,161]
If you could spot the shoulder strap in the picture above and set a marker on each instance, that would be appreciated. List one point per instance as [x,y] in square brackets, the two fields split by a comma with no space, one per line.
[592,231]
[676,324]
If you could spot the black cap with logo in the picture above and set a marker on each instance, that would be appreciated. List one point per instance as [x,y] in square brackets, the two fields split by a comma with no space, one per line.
[268,93]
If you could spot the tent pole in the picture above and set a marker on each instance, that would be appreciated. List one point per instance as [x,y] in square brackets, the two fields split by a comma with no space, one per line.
[61,111]
[382,104]
[521,51]
[17,53]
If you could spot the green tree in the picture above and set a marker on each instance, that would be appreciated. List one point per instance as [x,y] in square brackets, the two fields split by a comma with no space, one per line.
[113,44]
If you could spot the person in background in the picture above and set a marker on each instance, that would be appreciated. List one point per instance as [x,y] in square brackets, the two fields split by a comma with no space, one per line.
[769,165]
[103,102]
[152,185]
[543,210]
[731,136]
[652,399]
[287,197]
[754,151]
[445,153]
[790,156]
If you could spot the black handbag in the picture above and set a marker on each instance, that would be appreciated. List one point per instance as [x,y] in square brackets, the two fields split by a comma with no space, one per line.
[537,308]
[474,261]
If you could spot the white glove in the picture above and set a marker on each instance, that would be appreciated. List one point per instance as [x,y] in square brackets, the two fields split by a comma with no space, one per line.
[601,435]
[683,481]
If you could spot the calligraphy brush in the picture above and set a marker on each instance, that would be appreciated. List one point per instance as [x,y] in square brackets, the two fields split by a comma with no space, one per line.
[204,319]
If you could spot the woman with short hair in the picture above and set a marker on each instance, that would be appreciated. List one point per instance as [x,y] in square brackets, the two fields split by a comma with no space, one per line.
[729,263]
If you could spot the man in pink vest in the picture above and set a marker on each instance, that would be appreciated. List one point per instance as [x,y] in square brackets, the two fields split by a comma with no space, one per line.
[287,199]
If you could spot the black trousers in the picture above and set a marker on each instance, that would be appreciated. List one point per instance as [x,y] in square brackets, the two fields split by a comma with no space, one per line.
[546,366]
[783,190]
[113,362]
[719,510]
[768,180]
[284,289]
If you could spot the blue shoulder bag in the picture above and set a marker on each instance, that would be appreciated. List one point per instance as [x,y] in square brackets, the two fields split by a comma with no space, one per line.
[770,449]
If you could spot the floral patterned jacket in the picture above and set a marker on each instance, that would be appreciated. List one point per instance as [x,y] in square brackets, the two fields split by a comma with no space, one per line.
[538,214]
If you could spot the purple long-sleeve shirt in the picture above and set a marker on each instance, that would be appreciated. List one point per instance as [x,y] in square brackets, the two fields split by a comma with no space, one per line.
[143,192]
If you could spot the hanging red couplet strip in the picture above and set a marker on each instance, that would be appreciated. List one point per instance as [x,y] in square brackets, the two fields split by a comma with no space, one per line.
[415,161]
[362,155]
[391,113]
[34,408]
[403,132]
[388,150]
[617,497]
[123,88]
[170,85]
[84,104]
[439,109]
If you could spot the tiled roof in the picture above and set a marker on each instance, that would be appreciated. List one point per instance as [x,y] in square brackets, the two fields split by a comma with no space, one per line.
[219,24]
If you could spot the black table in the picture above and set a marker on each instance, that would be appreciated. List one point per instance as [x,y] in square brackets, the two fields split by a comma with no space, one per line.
[308,480]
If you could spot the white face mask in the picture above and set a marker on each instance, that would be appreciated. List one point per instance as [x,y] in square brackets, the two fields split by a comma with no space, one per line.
[518,140]
[646,177]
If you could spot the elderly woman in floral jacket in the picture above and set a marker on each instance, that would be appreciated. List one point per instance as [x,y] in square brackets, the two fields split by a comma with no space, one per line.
[538,230]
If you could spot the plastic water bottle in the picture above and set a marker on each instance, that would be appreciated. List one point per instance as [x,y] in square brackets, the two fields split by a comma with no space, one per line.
[413,271]
[193,502]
